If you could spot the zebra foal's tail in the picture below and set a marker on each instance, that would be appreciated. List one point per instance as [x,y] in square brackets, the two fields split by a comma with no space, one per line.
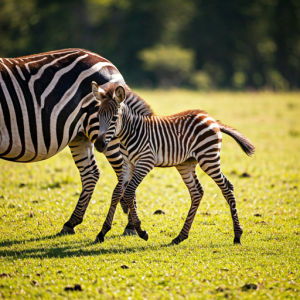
[242,140]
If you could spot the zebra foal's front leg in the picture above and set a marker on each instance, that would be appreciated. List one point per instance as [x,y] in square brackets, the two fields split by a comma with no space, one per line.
[83,154]
[115,158]
[123,179]
[143,167]
[127,190]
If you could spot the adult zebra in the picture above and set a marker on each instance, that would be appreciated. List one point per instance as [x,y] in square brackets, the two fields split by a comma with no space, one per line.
[46,104]
[182,140]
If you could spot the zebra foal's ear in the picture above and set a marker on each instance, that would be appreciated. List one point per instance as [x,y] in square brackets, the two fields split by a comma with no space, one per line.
[97,91]
[120,94]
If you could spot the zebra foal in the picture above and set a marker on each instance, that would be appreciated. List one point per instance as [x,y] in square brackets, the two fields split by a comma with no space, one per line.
[46,104]
[182,140]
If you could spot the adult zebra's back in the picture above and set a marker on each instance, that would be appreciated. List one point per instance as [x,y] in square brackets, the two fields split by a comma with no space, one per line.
[46,104]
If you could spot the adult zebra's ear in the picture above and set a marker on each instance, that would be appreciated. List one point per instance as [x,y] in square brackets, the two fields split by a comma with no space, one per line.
[120,94]
[97,91]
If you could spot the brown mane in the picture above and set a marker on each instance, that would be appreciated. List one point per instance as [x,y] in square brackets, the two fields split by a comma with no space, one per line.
[190,112]
[134,102]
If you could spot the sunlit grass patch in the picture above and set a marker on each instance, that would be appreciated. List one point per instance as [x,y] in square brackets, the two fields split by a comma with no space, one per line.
[36,200]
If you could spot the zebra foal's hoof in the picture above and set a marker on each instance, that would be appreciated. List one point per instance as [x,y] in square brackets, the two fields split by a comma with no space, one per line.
[237,241]
[144,235]
[129,232]
[99,238]
[175,241]
[179,239]
[66,230]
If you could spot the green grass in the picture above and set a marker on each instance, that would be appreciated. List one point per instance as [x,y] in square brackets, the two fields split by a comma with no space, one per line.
[207,265]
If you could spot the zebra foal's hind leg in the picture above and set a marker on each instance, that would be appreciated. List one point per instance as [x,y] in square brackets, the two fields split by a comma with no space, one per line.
[83,154]
[210,164]
[189,176]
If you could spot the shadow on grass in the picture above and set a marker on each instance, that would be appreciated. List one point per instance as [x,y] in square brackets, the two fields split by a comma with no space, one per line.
[77,249]
[16,242]
[88,248]
[48,237]
[69,251]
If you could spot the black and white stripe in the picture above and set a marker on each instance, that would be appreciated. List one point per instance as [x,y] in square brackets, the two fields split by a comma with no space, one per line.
[182,140]
[46,104]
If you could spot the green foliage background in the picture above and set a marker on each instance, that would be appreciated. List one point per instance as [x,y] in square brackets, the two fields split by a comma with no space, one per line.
[205,44]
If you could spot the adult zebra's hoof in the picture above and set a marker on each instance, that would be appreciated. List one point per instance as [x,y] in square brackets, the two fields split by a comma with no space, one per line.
[144,235]
[66,230]
[237,241]
[129,232]
[99,238]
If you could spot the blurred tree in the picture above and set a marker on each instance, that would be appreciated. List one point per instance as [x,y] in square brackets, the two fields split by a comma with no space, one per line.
[247,44]
[172,64]
[16,18]
[238,44]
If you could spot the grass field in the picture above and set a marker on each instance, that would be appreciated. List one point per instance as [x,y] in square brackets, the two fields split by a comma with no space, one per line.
[35,263]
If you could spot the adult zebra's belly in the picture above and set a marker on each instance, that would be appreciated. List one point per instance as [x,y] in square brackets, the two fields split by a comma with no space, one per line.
[12,150]
[18,154]
[20,145]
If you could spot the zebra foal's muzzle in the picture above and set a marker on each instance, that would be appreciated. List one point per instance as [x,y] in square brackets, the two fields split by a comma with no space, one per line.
[100,143]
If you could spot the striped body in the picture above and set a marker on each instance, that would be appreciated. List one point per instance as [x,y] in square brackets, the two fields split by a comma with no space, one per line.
[46,104]
[182,140]
[170,140]
[41,100]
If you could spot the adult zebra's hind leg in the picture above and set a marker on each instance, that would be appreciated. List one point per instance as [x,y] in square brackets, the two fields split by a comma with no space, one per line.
[210,164]
[115,159]
[83,154]
[189,176]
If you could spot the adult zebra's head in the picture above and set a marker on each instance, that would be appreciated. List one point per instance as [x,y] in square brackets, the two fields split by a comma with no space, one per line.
[109,104]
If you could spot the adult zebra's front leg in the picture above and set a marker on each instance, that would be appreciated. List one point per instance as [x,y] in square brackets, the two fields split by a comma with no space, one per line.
[83,154]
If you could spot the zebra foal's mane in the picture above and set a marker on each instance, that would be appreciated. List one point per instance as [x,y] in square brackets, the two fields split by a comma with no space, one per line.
[135,103]
[139,106]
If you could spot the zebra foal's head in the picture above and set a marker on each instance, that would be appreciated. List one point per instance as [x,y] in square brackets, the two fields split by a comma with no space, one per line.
[109,104]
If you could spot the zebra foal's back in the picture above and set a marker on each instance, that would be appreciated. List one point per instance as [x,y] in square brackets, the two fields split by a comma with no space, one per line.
[175,138]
